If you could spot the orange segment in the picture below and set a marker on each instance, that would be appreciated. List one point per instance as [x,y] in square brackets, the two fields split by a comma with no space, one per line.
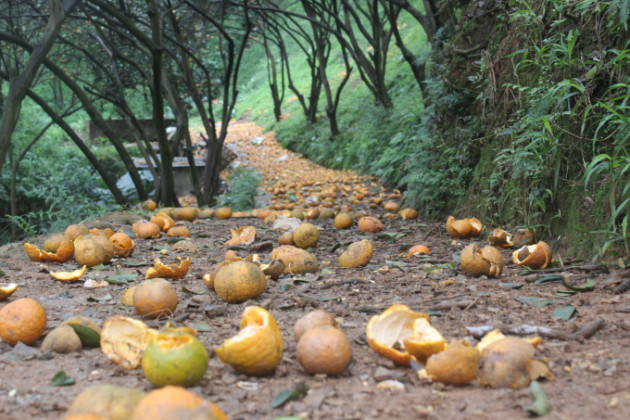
[257,348]
[387,332]
[172,271]
[68,276]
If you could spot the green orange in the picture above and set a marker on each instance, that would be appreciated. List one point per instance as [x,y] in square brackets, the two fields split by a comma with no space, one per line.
[174,358]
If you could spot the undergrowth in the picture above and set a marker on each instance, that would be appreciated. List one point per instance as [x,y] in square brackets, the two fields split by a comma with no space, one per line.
[242,187]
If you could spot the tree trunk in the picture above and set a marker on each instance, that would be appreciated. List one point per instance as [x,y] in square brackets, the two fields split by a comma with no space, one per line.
[19,86]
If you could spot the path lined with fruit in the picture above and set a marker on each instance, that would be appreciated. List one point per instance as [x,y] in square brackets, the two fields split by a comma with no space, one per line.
[382,304]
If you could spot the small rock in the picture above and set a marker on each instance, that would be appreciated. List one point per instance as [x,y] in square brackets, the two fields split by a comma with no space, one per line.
[229,378]
[20,353]
[381,373]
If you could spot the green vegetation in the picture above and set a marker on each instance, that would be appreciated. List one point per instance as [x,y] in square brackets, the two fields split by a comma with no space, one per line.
[241,190]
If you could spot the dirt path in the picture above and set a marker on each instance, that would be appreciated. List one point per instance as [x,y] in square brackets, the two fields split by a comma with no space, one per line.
[591,374]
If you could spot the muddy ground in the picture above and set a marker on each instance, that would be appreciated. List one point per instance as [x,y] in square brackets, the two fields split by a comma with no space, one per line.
[591,372]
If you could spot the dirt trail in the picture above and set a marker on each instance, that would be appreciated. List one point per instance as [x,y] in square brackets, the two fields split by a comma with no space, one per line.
[591,374]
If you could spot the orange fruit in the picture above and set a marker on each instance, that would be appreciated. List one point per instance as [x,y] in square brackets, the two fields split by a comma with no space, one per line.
[296,260]
[185,213]
[408,213]
[306,235]
[391,206]
[297,213]
[533,256]
[206,214]
[123,244]
[149,205]
[369,224]
[107,231]
[286,239]
[457,365]
[155,297]
[223,213]
[147,230]
[506,363]
[257,348]
[324,349]
[72,232]
[105,242]
[401,335]
[478,261]
[311,320]
[500,238]
[174,402]
[239,281]
[174,358]
[51,244]
[358,254]
[87,251]
[178,231]
[343,220]
[123,340]
[105,401]
[22,320]
[127,297]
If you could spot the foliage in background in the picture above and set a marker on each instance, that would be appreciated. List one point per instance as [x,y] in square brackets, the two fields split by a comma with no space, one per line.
[242,188]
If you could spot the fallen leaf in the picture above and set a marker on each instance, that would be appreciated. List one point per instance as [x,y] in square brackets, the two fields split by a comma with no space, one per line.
[61,379]
[534,301]
[564,313]
[88,337]
[540,404]
[285,396]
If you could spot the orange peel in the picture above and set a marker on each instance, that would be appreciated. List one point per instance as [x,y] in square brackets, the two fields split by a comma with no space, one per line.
[244,235]
[68,276]
[163,220]
[257,348]
[123,340]
[463,228]
[533,256]
[402,335]
[65,251]
[417,250]
[500,238]
[7,290]
[171,271]
[479,261]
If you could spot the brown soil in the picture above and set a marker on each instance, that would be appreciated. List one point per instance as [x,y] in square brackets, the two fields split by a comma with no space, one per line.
[591,372]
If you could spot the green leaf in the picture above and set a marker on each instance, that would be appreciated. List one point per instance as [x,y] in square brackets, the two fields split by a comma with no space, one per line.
[285,396]
[397,264]
[587,286]
[510,285]
[565,293]
[133,263]
[100,298]
[162,248]
[550,278]
[288,418]
[564,313]
[200,326]
[534,300]
[540,404]
[60,379]
[1,272]
[99,267]
[329,298]
[88,337]
[192,292]
[174,240]
[120,277]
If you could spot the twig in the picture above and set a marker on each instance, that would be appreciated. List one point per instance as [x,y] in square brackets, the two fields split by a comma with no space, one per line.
[588,330]
[339,283]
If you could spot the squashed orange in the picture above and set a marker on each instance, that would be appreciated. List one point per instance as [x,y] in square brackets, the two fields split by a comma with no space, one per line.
[244,235]
[169,271]
[123,340]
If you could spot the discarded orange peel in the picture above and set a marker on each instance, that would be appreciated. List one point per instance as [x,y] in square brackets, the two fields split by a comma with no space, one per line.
[479,261]
[244,235]
[463,228]
[172,271]
[63,254]
[68,276]
[7,290]
[533,256]
[417,250]
[500,238]
[402,335]
[123,340]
